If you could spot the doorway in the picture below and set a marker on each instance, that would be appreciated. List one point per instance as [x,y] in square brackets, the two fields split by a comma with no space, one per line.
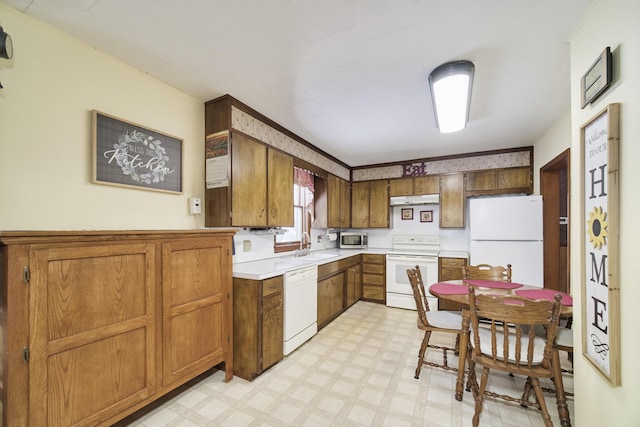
[555,188]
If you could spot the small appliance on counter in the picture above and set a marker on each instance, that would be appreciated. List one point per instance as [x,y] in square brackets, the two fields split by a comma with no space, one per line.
[353,240]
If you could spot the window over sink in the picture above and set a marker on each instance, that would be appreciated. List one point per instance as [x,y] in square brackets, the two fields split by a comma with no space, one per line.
[303,213]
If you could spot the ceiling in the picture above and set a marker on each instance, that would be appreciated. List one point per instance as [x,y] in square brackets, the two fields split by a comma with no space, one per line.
[348,76]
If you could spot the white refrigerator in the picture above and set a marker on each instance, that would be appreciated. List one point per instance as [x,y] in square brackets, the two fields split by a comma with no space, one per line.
[508,230]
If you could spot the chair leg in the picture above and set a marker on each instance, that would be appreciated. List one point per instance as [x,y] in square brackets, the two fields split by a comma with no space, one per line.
[543,406]
[479,397]
[563,410]
[526,393]
[423,350]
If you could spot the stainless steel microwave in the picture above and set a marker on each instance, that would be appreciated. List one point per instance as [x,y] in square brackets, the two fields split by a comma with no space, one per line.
[353,239]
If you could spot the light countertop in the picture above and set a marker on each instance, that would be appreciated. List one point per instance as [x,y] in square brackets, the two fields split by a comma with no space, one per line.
[271,267]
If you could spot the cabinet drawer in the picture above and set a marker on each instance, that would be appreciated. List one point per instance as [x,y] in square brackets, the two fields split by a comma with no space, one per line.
[373,292]
[354,260]
[373,258]
[272,286]
[372,279]
[373,268]
[450,274]
[325,270]
[453,262]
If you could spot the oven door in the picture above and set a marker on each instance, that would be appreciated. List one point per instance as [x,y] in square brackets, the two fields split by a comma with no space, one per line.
[399,292]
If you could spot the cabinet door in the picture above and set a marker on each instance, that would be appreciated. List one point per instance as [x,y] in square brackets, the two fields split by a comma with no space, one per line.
[515,178]
[354,284]
[249,182]
[452,201]
[92,332]
[401,187]
[280,189]
[272,329]
[197,322]
[379,204]
[360,205]
[426,184]
[339,202]
[345,203]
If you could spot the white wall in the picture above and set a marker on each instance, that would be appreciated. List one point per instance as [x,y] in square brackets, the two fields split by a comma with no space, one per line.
[50,86]
[611,23]
[554,141]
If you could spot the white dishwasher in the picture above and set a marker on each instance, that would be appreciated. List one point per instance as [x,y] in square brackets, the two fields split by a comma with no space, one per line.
[300,306]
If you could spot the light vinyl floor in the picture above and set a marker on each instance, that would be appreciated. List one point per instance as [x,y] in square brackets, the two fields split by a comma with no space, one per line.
[357,371]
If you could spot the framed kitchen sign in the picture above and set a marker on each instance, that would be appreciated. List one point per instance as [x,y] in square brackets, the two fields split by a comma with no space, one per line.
[407,213]
[600,144]
[129,155]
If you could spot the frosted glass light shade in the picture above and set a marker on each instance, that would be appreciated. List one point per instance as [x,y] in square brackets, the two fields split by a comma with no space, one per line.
[450,86]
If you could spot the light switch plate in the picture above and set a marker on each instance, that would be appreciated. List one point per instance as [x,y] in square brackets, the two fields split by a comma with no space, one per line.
[195,206]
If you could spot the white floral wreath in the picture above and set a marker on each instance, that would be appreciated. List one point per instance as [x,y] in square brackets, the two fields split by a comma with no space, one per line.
[128,167]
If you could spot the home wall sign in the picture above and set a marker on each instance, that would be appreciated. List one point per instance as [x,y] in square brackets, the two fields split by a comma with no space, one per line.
[600,242]
[597,78]
[129,155]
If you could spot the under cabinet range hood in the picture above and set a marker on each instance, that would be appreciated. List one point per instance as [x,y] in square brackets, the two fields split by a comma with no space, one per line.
[423,199]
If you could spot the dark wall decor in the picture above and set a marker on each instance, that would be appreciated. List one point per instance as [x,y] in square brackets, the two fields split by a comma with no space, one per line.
[129,155]
[597,78]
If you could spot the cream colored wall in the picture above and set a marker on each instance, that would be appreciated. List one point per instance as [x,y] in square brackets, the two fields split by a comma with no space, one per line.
[50,86]
[611,23]
[554,141]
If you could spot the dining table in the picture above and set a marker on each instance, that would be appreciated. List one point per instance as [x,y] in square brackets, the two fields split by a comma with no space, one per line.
[457,292]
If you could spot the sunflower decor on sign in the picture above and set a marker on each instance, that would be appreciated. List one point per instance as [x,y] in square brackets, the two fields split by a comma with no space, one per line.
[597,227]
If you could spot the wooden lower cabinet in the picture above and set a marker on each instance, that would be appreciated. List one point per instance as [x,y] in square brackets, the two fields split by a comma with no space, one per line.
[330,298]
[373,278]
[258,327]
[450,269]
[339,287]
[354,280]
[98,324]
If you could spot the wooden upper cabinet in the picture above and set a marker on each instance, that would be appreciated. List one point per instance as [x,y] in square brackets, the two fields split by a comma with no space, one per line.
[426,184]
[514,178]
[499,181]
[379,204]
[280,189]
[452,198]
[248,182]
[429,184]
[360,199]
[370,204]
[338,202]
[262,185]
[401,187]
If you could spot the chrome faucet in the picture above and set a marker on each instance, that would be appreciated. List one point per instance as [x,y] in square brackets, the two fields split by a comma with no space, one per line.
[304,250]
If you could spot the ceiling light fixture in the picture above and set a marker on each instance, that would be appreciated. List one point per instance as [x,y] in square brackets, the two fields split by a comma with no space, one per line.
[450,86]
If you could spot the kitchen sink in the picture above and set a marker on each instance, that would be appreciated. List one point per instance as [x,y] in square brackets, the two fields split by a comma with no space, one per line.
[319,256]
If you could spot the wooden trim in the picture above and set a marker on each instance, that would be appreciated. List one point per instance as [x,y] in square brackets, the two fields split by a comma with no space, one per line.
[259,116]
[449,157]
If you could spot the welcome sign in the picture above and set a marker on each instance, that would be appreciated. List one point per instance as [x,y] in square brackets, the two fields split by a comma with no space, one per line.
[600,287]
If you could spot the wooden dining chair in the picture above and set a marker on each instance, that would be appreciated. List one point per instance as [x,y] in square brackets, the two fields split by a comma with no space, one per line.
[515,349]
[432,321]
[487,272]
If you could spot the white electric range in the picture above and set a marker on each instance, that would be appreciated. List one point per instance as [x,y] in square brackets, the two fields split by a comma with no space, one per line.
[406,252]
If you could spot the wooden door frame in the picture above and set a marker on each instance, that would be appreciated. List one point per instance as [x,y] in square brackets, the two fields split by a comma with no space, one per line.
[550,192]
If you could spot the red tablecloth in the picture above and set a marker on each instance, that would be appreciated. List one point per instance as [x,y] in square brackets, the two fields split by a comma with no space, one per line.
[493,284]
[545,294]
[449,289]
